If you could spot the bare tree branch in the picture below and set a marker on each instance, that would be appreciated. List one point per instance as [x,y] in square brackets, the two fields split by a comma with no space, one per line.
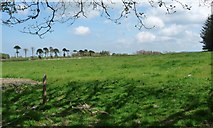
[44,13]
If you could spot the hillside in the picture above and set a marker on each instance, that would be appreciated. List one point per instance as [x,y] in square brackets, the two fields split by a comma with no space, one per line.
[143,90]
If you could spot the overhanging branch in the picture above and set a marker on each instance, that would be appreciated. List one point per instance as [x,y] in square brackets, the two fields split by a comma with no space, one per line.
[70,11]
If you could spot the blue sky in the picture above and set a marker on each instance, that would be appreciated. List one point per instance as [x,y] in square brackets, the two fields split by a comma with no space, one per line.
[175,33]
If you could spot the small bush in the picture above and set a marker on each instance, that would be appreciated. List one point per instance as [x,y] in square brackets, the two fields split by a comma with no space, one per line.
[4,56]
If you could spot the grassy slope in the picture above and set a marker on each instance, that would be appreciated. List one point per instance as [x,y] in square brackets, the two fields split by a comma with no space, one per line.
[171,89]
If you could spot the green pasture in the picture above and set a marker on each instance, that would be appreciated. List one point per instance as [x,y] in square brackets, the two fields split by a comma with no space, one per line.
[140,90]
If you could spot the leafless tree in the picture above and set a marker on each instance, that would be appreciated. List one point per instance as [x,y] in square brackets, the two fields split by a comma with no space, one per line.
[25,52]
[32,49]
[44,14]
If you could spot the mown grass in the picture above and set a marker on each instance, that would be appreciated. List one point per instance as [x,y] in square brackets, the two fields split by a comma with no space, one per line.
[142,90]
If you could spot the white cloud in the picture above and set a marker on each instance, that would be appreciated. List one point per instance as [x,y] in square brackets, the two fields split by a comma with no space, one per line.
[192,35]
[154,21]
[92,13]
[143,37]
[182,16]
[82,30]
[176,32]
[189,42]
[173,30]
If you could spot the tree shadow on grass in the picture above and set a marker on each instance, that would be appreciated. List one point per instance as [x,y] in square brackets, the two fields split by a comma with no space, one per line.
[189,114]
[19,107]
[111,96]
[210,105]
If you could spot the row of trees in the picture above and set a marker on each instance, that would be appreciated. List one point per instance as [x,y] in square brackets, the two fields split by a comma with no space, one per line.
[54,52]
[17,48]
[51,51]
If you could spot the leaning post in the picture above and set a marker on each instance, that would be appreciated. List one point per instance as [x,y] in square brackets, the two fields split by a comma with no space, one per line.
[44,89]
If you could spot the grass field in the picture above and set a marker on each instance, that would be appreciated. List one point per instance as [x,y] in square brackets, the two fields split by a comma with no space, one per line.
[141,90]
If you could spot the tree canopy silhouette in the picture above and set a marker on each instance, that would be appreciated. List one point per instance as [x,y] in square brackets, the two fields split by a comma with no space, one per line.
[69,11]
[17,48]
[207,34]
[39,52]
[56,51]
[51,50]
[46,51]
[64,50]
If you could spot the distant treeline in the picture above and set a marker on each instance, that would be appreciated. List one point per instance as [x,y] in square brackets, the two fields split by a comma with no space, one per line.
[147,52]
[89,53]
[48,53]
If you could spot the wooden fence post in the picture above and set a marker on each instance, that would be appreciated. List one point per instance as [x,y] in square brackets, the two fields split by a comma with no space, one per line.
[44,89]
